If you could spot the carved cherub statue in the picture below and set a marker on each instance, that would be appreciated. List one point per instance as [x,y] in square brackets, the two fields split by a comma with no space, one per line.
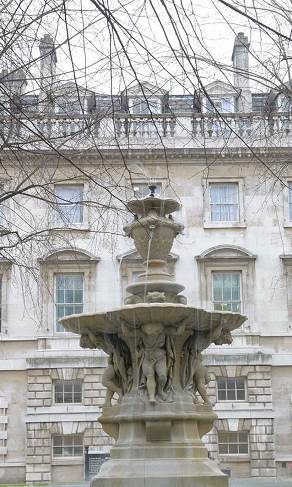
[117,375]
[194,374]
[156,358]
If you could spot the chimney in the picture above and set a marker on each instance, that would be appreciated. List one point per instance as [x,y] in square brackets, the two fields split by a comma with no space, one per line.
[240,59]
[13,85]
[48,64]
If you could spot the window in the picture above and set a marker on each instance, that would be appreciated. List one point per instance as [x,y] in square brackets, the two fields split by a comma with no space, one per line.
[232,443]
[231,389]
[68,106]
[0,303]
[67,445]
[221,105]
[226,291]
[290,199]
[68,391]
[143,106]
[68,296]
[224,202]
[141,190]
[69,198]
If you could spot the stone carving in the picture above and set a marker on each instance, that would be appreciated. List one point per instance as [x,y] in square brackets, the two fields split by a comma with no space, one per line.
[156,359]
[155,366]
[194,375]
[117,377]
[155,297]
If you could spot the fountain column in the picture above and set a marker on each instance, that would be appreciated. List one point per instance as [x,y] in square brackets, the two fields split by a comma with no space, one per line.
[155,367]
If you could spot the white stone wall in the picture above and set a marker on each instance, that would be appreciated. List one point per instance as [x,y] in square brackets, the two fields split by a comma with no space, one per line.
[265,233]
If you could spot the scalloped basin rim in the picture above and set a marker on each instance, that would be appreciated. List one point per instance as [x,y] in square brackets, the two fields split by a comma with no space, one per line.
[166,205]
[135,315]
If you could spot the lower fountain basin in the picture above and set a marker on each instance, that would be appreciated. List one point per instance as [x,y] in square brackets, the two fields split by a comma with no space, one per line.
[136,315]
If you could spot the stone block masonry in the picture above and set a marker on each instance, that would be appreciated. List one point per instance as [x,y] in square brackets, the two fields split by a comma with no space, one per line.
[40,397]
[260,460]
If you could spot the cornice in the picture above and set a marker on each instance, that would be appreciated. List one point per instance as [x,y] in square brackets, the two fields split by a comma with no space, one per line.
[163,155]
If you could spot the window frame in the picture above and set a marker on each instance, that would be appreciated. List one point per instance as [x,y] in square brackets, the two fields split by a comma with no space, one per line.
[229,258]
[64,382]
[208,222]
[286,203]
[5,273]
[52,212]
[240,288]
[144,183]
[231,400]
[58,218]
[54,456]
[56,274]
[239,454]
[234,204]
[69,263]
[138,100]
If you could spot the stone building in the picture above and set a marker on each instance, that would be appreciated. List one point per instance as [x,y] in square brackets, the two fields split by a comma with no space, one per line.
[235,255]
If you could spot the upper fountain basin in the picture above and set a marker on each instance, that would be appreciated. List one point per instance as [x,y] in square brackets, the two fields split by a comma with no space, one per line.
[136,315]
[161,206]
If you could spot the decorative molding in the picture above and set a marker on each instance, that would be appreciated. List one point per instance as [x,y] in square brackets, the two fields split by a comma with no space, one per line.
[228,252]
[68,255]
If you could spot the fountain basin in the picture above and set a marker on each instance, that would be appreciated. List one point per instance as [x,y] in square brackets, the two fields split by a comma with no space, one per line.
[165,313]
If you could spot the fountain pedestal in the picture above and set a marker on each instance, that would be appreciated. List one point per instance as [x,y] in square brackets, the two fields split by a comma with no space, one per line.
[158,446]
[155,368]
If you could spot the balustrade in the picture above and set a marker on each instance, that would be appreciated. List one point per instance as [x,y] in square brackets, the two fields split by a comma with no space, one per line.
[128,127]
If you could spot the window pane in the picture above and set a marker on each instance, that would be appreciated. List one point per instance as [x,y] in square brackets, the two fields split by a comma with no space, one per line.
[57,451]
[226,291]
[68,391]
[69,296]
[224,201]
[223,449]
[69,201]
[77,397]
[241,395]
[141,190]
[221,395]
[233,449]
[243,448]
[58,397]
[57,440]
[243,437]
[233,443]
[231,395]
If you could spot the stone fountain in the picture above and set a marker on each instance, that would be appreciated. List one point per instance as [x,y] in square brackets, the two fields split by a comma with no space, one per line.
[155,368]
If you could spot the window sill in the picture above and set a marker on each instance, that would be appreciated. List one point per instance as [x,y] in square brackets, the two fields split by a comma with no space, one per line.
[234,458]
[73,228]
[68,461]
[287,224]
[225,225]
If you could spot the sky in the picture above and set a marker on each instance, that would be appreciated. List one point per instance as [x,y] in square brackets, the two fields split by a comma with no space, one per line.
[176,44]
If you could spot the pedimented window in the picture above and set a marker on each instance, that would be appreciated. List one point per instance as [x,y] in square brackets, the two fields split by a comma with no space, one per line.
[227,281]
[68,286]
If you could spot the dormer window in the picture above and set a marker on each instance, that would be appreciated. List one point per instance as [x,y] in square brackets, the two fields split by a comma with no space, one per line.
[141,105]
[222,105]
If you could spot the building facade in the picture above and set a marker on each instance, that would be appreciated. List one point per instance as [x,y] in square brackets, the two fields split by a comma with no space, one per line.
[226,155]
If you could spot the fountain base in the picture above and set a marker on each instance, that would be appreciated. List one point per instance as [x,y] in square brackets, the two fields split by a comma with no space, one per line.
[159,445]
[179,472]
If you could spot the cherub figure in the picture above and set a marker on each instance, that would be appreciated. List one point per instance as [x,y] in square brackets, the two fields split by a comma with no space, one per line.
[156,359]
[194,374]
[117,375]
